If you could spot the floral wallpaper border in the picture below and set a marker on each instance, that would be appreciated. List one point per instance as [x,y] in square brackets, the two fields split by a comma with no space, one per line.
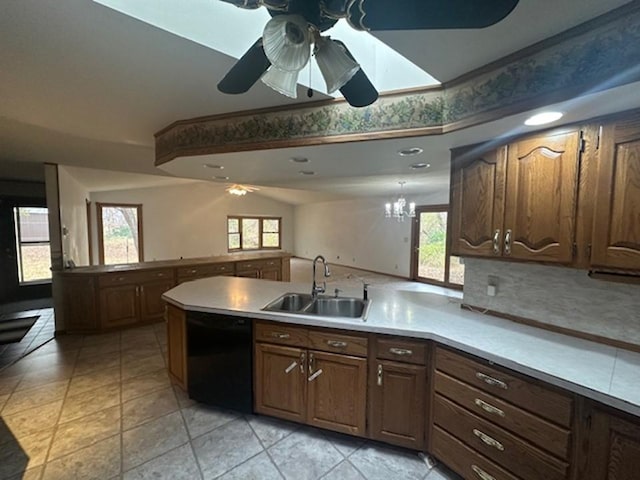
[597,59]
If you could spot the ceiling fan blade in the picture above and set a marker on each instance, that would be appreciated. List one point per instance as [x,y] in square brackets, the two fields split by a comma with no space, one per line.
[247,70]
[359,91]
[427,14]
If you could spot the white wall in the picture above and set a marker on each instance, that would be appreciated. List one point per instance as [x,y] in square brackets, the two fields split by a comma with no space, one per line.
[73,217]
[355,233]
[191,220]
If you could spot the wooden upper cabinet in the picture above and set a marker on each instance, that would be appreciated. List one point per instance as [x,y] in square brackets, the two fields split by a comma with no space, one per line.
[541,195]
[477,202]
[616,233]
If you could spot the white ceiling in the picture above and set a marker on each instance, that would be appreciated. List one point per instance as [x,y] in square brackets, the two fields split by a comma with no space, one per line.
[87,86]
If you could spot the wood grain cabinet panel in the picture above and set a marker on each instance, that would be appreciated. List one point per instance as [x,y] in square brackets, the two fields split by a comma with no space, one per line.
[79,304]
[119,306]
[477,202]
[177,345]
[151,303]
[616,235]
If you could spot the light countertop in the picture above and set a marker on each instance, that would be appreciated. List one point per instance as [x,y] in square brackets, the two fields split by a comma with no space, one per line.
[600,372]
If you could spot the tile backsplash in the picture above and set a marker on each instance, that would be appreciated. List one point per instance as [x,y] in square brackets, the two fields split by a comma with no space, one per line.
[563,297]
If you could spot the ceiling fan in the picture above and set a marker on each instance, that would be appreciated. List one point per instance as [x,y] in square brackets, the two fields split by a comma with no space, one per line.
[240,190]
[285,47]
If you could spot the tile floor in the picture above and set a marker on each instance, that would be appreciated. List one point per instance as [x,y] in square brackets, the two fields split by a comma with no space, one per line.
[41,332]
[102,407]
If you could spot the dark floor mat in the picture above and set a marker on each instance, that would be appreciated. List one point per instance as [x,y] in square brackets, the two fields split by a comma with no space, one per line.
[12,331]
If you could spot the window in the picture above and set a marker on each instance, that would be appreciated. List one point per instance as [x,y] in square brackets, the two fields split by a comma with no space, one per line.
[253,233]
[32,244]
[120,233]
[431,261]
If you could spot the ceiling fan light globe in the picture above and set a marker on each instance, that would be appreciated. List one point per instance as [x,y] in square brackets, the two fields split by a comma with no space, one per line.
[281,81]
[286,42]
[336,66]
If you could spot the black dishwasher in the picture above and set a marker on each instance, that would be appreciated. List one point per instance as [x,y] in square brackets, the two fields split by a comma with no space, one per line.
[219,360]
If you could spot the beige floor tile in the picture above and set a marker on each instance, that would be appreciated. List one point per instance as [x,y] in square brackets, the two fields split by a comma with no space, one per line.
[3,400]
[91,350]
[201,419]
[97,362]
[91,381]
[101,339]
[85,431]
[138,386]
[45,376]
[133,354]
[142,366]
[30,452]
[178,464]
[31,474]
[33,397]
[33,420]
[99,461]
[9,384]
[152,439]
[183,398]
[148,407]
[85,403]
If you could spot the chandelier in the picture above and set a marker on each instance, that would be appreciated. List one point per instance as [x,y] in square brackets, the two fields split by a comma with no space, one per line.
[397,208]
[240,190]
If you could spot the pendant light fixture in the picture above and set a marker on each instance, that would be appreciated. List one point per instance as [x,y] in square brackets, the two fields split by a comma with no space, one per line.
[397,208]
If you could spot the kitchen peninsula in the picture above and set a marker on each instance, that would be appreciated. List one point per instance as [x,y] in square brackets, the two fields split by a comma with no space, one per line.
[420,372]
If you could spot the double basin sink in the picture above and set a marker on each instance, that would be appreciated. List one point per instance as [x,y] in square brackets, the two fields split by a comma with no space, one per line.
[324,306]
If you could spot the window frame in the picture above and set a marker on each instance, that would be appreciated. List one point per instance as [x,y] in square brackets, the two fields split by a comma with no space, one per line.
[261,220]
[19,243]
[99,207]
[415,244]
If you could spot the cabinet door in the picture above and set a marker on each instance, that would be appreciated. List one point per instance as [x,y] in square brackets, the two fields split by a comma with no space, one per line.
[271,273]
[337,392]
[540,205]
[477,204]
[398,393]
[79,304]
[177,345]
[119,305]
[614,449]
[616,234]
[151,303]
[280,381]
[249,273]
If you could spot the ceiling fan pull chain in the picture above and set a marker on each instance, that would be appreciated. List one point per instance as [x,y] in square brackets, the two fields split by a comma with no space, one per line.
[310,89]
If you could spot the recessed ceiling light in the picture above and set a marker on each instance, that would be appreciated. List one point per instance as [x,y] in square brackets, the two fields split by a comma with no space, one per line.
[306,172]
[543,118]
[211,165]
[417,166]
[220,178]
[299,160]
[407,152]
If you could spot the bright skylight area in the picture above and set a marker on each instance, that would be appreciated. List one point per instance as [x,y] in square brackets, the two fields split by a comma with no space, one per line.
[231,30]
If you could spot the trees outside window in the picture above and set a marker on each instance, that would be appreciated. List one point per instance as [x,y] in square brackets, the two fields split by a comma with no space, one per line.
[253,233]
[120,237]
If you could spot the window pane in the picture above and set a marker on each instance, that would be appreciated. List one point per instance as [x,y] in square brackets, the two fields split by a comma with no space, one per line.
[120,235]
[233,225]
[456,271]
[234,241]
[432,246]
[34,224]
[250,233]
[271,240]
[36,262]
[271,226]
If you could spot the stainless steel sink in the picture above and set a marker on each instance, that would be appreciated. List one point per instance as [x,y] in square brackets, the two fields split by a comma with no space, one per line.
[324,306]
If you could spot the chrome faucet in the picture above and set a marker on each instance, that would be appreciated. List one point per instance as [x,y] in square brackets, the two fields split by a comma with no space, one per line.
[365,285]
[315,289]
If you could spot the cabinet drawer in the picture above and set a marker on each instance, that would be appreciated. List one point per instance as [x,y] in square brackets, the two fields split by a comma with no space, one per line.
[281,334]
[210,270]
[542,433]
[129,278]
[497,444]
[546,403]
[463,460]
[401,350]
[247,265]
[338,343]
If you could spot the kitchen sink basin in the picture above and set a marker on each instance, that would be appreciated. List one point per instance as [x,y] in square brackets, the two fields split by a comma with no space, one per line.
[323,306]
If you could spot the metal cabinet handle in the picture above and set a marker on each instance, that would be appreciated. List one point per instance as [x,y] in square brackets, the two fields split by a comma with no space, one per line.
[496,242]
[281,336]
[336,343]
[487,440]
[379,375]
[121,279]
[303,358]
[481,473]
[311,363]
[488,407]
[290,368]
[400,351]
[160,274]
[494,382]
[507,242]
[248,265]
[137,291]
[193,271]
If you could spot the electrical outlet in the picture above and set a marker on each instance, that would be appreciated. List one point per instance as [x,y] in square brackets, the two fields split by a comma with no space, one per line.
[492,285]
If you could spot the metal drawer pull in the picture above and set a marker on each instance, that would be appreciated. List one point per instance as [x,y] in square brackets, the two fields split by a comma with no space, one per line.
[494,382]
[336,343]
[291,367]
[161,274]
[507,242]
[486,439]
[488,407]
[315,375]
[121,279]
[481,473]
[193,271]
[401,351]
[496,242]
[281,336]
[303,357]
[379,375]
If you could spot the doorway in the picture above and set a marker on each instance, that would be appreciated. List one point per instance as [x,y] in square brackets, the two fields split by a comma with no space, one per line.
[25,255]
[431,261]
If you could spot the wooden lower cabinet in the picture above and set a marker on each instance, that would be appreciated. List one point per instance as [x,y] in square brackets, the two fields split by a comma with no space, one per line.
[280,381]
[151,303]
[397,408]
[79,304]
[271,274]
[337,392]
[177,345]
[119,306]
